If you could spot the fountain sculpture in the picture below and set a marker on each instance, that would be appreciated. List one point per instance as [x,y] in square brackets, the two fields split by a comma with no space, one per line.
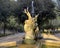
[31,27]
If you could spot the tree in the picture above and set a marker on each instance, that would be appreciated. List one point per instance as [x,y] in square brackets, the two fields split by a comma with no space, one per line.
[4,11]
[7,8]
[44,7]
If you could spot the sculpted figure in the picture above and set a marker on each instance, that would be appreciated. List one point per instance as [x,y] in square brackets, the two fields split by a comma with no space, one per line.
[30,27]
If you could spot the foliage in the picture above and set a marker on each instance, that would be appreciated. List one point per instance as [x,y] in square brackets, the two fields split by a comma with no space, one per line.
[12,21]
[21,27]
[2,35]
[45,8]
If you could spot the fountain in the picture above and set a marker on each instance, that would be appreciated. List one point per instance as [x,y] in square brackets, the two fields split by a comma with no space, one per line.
[32,11]
[31,29]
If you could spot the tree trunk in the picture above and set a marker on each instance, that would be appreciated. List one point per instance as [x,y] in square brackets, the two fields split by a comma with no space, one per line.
[4,28]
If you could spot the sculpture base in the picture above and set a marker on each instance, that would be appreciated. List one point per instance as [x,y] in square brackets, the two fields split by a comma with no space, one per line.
[29,41]
[27,46]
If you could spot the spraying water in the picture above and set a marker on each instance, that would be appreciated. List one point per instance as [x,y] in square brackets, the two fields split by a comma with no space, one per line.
[32,8]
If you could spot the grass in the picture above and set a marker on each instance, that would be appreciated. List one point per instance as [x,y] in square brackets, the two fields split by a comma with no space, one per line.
[12,47]
[9,47]
[45,46]
[2,35]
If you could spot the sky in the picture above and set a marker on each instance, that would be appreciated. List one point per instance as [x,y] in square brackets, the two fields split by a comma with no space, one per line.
[54,0]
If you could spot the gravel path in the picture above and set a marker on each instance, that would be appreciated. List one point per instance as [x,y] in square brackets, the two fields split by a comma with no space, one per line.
[51,37]
[19,36]
[15,37]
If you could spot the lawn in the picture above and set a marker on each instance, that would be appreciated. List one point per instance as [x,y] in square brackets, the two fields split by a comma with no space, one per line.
[45,46]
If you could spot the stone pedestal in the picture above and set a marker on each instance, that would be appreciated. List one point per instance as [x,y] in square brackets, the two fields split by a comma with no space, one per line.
[27,46]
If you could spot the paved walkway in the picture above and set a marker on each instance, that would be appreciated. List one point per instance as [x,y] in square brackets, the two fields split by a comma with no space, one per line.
[15,37]
[51,37]
[18,37]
